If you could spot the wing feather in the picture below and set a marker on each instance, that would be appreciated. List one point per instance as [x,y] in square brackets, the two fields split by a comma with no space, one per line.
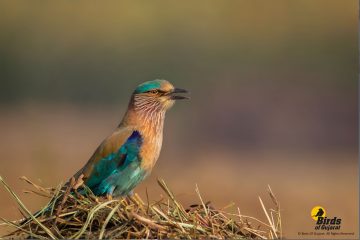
[113,154]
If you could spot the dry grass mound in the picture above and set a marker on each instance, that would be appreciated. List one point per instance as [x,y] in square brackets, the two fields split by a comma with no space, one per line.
[72,215]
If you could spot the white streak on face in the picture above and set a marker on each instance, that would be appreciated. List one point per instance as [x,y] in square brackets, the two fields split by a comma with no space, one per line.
[151,112]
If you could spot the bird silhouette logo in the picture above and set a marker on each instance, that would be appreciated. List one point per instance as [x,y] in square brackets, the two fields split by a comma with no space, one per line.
[318,211]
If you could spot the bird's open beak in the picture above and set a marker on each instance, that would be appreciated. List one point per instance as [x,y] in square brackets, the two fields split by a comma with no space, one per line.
[174,94]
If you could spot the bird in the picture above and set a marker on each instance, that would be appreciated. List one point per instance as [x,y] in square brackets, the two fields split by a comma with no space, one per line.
[127,156]
[319,213]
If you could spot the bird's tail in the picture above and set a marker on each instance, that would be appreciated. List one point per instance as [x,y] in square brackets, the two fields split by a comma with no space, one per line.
[55,204]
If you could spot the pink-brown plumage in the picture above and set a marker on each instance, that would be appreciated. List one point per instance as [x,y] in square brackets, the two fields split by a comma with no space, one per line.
[128,155]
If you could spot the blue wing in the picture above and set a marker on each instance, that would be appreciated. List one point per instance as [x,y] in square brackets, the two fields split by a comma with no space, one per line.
[113,170]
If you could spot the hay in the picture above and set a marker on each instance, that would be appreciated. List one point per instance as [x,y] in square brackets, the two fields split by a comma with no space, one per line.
[72,215]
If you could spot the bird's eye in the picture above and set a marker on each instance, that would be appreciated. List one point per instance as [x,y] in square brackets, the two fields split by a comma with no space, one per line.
[154,91]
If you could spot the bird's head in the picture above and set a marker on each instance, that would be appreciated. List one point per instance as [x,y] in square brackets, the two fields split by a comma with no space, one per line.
[157,95]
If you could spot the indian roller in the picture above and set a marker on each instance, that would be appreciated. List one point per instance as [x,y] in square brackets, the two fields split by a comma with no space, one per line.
[127,156]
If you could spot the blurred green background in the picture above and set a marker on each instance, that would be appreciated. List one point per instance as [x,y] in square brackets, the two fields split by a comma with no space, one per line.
[274,97]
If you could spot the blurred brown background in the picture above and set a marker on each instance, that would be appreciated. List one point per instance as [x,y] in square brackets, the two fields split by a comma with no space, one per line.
[274,98]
